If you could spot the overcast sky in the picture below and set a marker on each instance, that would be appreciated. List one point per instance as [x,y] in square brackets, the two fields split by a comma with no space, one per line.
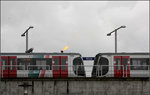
[82,26]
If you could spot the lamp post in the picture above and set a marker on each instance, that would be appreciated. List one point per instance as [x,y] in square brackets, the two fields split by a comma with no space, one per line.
[0,57]
[149,60]
[26,32]
[109,34]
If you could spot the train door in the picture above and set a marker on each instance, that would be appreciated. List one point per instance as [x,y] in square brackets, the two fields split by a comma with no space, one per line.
[56,68]
[126,64]
[4,67]
[121,66]
[60,66]
[64,66]
[117,66]
[12,67]
[8,66]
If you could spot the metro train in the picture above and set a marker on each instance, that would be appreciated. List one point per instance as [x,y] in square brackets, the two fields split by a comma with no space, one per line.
[63,65]
[121,65]
[41,65]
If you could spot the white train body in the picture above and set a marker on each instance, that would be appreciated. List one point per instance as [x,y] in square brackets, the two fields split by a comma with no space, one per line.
[121,65]
[41,65]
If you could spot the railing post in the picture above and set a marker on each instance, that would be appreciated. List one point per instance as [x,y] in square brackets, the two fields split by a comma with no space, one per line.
[122,67]
[2,71]
[98,69]
[77,70]
[95,70]
[127,70]
[112,71]
[148,70]
[69,74]
[72,69]
[24,69]
[101,70]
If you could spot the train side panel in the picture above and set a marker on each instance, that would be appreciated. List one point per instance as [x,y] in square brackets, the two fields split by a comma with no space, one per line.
[121,65]
[40,66]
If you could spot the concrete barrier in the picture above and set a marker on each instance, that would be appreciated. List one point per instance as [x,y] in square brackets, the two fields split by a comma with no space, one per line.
[77,87]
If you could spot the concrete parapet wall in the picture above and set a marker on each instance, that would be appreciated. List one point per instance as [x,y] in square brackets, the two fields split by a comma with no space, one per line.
[77,87]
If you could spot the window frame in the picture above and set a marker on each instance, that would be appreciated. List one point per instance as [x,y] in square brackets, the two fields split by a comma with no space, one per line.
[142,67]
[21,62]
[24,63]
[5,65]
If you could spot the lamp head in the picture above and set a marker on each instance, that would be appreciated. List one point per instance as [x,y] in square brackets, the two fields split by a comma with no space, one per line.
[23,35]
[29,51]
[31,27]
[123,26]
[109,34]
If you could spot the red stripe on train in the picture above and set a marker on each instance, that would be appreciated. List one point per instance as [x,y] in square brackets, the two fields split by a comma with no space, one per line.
[46,56]
[42,73]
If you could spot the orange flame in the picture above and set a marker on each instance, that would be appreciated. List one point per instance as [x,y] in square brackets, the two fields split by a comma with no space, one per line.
[65,48]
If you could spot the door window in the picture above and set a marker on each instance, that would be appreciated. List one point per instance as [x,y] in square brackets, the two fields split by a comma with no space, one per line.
[63,64]
[56,63]
[12,64]
[5,63]
[125,63]
[117,63]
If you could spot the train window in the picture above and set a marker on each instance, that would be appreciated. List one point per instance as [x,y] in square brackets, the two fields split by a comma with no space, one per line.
[22,63]
[117,63]
[41,64]
[12,64]
[77,61]
[49,63]
[63,67]
[125,63]
[104,65]
[139,64]
[96,60]
[5,64]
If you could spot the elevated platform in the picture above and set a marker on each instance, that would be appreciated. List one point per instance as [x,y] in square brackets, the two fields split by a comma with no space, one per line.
[77,86]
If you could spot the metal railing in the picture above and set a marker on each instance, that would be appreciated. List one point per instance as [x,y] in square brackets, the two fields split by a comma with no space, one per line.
[122,70]
[90,70]
[10,68]
[38,67]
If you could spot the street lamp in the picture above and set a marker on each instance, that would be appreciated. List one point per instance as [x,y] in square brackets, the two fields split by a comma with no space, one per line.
[26,32]
[109,34]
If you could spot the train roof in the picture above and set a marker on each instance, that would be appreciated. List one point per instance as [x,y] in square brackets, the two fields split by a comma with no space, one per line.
[38,53]
[126,53]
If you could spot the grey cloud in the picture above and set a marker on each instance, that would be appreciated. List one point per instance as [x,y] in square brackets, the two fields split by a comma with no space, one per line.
[81,25]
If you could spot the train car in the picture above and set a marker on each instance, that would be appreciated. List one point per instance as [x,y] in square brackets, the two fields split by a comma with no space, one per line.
[121,65]
[41,65]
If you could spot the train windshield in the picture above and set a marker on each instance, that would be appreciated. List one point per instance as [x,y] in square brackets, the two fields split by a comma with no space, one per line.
[101,66]
[78,66]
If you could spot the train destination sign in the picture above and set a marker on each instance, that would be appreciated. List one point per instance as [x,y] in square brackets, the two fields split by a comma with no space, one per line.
[88,58]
